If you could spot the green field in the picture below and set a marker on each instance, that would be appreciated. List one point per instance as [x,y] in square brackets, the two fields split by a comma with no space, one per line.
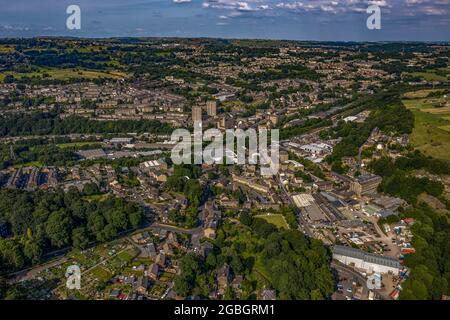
[97,197]
[76,144]
[276,219]
[429,76]
[29,164]
[431,128]
[67,74]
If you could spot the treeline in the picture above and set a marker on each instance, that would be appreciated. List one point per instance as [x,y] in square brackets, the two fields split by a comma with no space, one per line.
[411,161]
[44,221]
[282,72]
[430,264]
[399,181]
[34,150]
[284,260]
[66,59]
[307,125]
[51,123]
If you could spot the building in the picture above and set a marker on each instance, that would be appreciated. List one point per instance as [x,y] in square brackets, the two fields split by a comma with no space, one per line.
[223,279]
[92,154]
[284,156]
[120,141]
[196,114]
[267,294]
[225,122]
[365,184]
[153,271]
[368,262]
[250,184]
[211,108]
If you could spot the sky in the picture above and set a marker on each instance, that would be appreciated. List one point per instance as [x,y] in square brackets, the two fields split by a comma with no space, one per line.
[323,20]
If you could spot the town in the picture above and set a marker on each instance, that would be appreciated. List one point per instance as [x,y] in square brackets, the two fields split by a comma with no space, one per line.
[87,177]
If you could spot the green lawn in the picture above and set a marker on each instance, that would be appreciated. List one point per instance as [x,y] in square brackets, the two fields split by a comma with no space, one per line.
[97,197]
[29,164]
[101,274]
[276,219]
[76,144]
[431,128]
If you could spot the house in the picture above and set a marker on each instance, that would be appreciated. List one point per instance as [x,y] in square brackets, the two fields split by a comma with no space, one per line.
[223,279]
[267,294]
[153,271]
[114,293]
[142,285]
[161,259]
[151,250]
[172,239]
[167,248]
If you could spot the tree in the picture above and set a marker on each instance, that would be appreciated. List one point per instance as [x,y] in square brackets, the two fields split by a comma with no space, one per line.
[245,218]
[58,229]
[80,238]
[91,189]
[33,250]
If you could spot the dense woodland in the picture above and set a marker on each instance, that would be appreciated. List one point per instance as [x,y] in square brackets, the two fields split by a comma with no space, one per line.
[50,123]
[430,264]
[44,221]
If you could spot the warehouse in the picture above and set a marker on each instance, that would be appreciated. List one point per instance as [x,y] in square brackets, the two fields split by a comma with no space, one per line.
[368,262]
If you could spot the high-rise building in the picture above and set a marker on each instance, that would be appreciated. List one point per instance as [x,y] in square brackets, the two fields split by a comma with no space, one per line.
[211,108]
[196,114]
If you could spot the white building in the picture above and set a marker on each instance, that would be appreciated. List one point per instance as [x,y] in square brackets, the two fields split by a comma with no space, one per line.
[367,262]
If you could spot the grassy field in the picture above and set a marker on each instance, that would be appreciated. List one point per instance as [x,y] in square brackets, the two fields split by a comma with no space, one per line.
[66,74]
[276,219]
[431,128]
[429,76]
[421,93]
[29,164]
[76,144]
[96,197]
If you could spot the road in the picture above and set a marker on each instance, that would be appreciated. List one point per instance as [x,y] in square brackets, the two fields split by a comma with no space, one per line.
[303,225]
[347,272]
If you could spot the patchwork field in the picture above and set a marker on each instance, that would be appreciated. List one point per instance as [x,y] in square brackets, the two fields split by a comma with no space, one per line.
[431,133]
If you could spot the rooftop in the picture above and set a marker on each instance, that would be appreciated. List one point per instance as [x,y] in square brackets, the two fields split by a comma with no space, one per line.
[365,256]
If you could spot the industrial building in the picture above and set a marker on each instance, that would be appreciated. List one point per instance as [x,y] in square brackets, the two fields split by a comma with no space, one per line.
[367,262]
[365,184]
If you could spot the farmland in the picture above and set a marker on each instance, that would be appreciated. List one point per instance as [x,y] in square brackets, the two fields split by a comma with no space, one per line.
[432,125]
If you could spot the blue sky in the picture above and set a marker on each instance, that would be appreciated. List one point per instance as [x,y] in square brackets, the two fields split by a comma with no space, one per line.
[336,20]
